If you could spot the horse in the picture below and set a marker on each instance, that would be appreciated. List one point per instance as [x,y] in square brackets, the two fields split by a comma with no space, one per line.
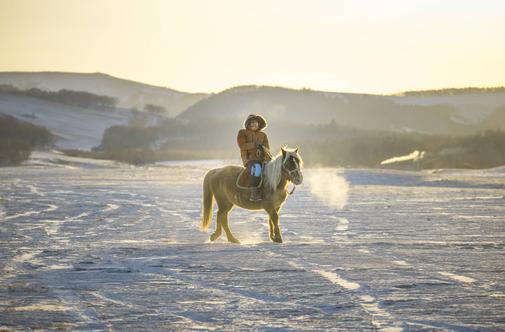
[221,184]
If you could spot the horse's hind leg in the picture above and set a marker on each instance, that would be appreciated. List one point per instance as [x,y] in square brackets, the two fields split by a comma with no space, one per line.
[217,233]
[222,219]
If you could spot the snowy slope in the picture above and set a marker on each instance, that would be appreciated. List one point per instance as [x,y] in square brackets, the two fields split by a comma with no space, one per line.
[75,127]
[129,93]
[470,108]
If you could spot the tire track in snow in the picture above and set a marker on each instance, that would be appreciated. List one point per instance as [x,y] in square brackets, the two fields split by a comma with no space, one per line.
[336,279]
[466,280]
[403,263]
[380,318]
[110,207]
[14,264]
[100,296]
[23,214]
[342,225]
[35,190]
[227,291]
[457,277]
[50,208]
[53,228]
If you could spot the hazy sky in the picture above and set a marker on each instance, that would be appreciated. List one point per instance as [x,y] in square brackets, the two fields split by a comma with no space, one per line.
[357,46]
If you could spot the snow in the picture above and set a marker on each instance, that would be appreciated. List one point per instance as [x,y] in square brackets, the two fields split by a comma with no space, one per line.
[129,93]
[101,246]
[75,127]
[55,158]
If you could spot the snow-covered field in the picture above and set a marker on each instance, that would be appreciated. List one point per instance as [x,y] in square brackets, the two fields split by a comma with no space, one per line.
[105,246]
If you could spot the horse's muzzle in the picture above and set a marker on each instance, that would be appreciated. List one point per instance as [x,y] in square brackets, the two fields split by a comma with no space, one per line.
[297,178]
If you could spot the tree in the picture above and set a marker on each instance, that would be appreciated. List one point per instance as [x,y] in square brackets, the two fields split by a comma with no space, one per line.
[155,109]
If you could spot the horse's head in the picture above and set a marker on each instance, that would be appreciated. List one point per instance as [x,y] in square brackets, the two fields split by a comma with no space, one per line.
[292,165]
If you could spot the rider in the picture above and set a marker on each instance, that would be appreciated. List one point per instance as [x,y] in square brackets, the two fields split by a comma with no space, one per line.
[251,141]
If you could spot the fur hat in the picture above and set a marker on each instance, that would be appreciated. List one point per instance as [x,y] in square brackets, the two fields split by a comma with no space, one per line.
[261,121]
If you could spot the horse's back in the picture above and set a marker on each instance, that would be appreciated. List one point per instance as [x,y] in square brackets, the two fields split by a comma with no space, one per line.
[222,181]
[224,174]
[228,170]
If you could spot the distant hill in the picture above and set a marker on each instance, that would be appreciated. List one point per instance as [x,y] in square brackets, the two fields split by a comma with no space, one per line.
[473,106]
[440,114]
[212,120]
[453,91]
[73,127]
[129,93]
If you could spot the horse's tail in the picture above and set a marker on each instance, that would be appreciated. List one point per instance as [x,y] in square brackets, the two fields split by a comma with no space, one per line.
[208,203]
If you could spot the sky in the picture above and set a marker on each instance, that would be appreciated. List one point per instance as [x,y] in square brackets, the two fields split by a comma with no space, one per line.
[363,46]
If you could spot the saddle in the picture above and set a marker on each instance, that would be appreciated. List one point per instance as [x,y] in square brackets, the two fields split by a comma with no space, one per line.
[244,178]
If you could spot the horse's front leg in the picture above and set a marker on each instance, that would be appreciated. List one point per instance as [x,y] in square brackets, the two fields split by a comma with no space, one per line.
[275,232]
[271,224]
[271,228]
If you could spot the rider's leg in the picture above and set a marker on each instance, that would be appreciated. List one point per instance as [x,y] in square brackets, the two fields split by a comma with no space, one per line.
[255,171]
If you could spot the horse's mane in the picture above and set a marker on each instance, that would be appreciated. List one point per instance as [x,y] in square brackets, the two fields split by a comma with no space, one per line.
[273,169]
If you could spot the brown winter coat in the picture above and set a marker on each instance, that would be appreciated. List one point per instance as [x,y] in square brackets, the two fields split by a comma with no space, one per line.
[247,140]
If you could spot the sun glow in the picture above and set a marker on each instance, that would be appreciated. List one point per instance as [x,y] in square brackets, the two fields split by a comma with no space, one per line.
[208,46]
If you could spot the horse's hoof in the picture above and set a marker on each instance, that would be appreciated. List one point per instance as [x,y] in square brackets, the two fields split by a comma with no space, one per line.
[214,237]
[277,239]
[234,240]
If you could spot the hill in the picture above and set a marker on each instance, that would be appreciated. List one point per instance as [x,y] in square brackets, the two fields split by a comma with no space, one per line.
[130,94]
[73,127]
[472,106]
[441,114]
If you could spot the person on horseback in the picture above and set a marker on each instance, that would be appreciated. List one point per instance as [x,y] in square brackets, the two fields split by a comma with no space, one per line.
[254,151]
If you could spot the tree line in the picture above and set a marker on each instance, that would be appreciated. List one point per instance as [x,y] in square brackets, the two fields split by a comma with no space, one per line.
[321,145]
[68,97]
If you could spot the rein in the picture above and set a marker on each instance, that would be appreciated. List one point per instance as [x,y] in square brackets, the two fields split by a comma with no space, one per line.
[292,190]
[289,174]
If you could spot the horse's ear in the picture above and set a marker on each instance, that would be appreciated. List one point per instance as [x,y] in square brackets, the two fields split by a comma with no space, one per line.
[296,150]
[283,152]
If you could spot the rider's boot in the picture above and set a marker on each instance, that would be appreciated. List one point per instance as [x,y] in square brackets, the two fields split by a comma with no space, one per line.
[255,195]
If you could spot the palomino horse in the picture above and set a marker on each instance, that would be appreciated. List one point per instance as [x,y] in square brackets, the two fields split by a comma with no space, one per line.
[221,184]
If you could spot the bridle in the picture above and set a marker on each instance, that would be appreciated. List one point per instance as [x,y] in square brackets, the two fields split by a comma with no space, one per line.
[290,172]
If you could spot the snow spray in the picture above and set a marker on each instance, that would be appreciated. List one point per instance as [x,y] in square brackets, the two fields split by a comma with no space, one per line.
[328,186]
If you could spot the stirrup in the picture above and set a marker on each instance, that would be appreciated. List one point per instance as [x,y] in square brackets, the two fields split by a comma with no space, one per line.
[255,195]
